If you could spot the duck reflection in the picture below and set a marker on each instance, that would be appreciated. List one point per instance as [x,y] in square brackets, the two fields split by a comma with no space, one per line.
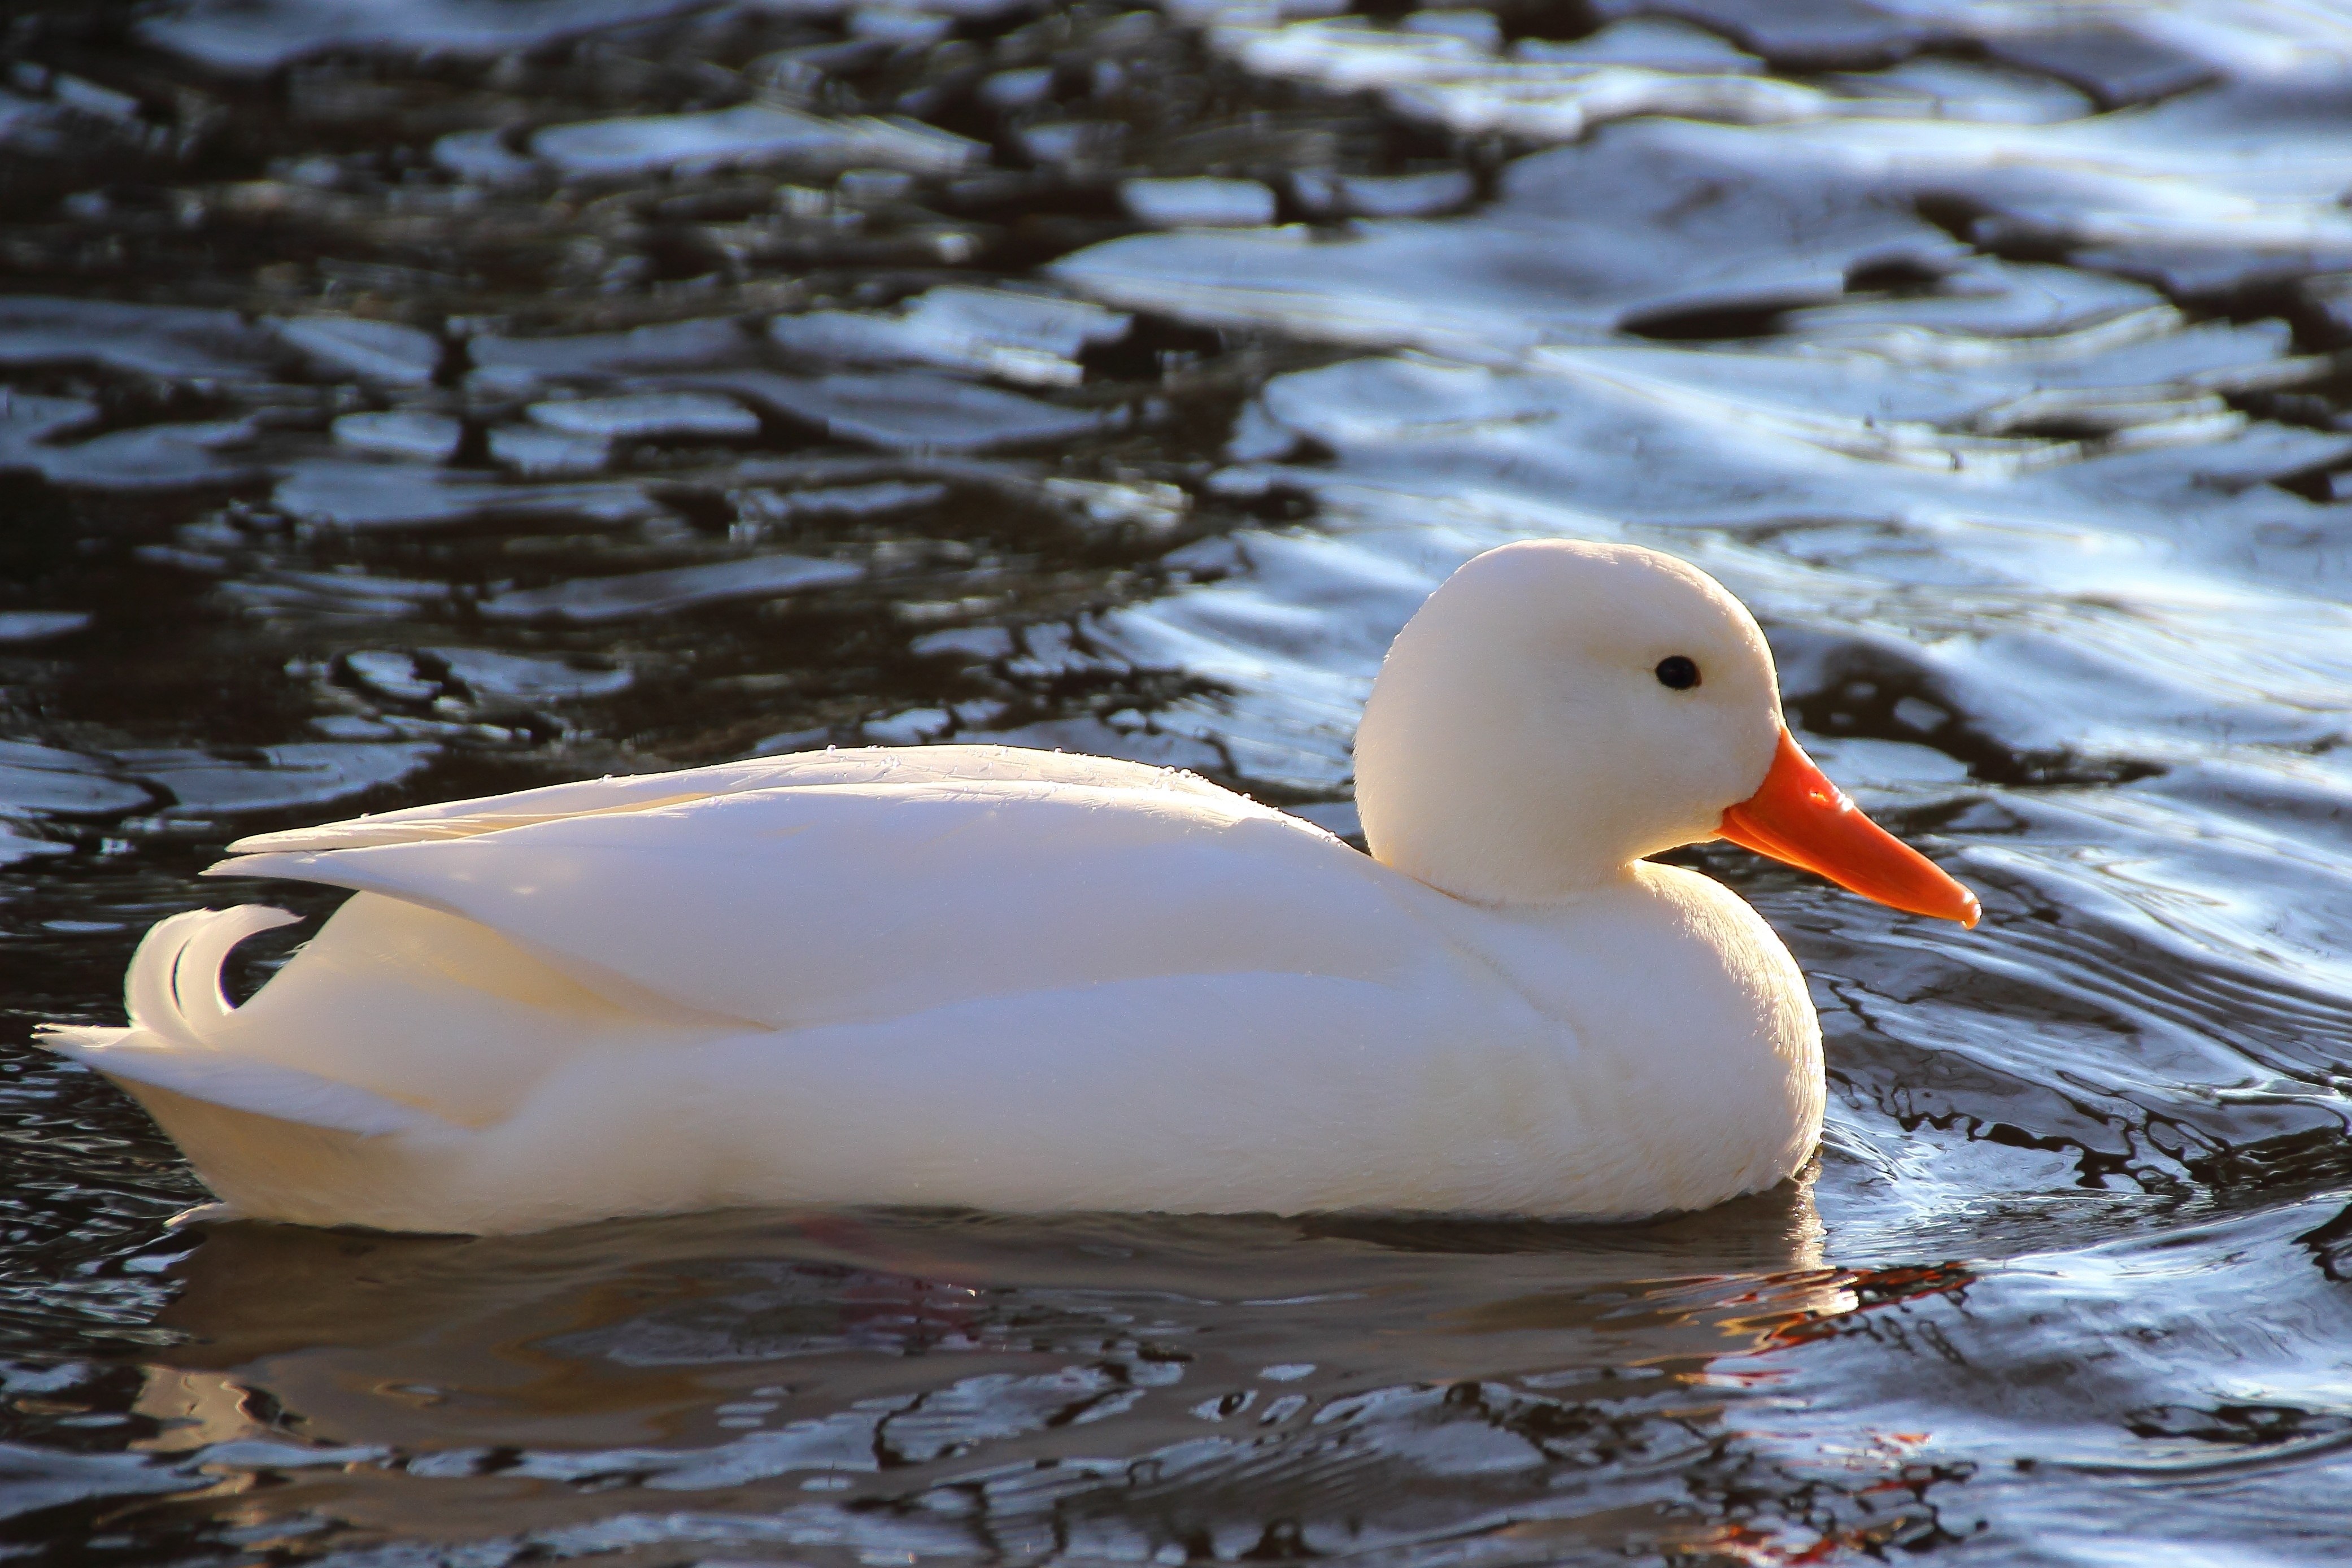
[777,1361]
[617,1334]
[623,1333]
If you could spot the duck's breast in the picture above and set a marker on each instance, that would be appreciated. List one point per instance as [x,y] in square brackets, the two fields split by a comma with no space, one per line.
[1702,1049]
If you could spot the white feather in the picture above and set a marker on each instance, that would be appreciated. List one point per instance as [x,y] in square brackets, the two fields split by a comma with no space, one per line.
[1029,981]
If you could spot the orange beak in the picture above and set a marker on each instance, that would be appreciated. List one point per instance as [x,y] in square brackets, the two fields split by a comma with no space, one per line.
[1801,817]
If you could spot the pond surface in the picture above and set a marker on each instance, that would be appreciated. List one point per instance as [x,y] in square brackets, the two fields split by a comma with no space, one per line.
[418,398]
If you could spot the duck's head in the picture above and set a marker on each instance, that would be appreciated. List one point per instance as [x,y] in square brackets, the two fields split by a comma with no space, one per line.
[1557,710]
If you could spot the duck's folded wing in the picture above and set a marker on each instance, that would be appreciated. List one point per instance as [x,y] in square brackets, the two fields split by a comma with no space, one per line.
[805,904]
[642,792]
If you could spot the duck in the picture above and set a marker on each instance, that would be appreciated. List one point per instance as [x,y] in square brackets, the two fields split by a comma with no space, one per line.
[1026,981]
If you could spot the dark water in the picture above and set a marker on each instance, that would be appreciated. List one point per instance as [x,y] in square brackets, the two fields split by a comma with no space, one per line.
[1992,354]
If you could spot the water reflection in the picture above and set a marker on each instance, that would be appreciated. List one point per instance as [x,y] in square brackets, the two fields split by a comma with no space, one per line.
[1136,1382]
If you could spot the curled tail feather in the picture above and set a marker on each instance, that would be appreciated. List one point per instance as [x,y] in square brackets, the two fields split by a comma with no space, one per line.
[173,989]
[173,996]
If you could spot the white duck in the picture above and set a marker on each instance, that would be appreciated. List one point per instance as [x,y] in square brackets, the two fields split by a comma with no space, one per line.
[1026,981]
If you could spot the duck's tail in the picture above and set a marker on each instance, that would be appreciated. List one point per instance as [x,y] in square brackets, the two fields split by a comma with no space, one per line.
[177,1010]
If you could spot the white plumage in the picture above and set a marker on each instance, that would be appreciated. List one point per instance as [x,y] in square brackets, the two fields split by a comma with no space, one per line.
[1028,981]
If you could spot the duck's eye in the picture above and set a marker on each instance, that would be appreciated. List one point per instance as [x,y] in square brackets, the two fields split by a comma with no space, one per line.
[1678,673]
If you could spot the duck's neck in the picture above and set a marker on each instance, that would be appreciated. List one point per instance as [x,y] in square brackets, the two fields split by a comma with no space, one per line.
[1479,859]
[1446,798]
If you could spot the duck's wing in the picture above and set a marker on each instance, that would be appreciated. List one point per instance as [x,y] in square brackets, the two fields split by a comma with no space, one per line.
[642,792]
[808,903]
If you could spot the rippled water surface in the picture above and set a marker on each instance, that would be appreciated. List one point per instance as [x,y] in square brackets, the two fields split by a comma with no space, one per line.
[421,397]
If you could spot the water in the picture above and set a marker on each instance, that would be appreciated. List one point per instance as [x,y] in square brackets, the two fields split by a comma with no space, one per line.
[418,399]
